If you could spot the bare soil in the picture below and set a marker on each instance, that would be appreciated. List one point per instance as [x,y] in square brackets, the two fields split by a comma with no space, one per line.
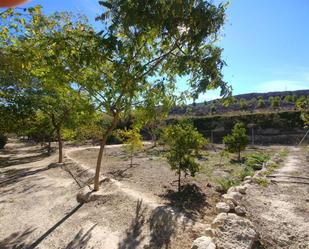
[280,211]
[38,206]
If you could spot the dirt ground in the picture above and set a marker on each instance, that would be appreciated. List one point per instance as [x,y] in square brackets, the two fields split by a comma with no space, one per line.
[280,211]
[140,208]
[38,207]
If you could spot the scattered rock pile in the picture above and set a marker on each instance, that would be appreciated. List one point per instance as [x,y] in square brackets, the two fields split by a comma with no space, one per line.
[230,229]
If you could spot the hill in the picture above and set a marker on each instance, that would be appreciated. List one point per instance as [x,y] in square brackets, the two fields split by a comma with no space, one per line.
[240,104]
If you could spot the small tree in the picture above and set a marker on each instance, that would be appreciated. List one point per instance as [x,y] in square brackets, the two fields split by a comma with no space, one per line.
[261,102]
[243,104]
[237,141]
[184,142]
[133,142]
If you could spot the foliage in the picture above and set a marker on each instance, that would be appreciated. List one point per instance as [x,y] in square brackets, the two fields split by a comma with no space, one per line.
[237,140]
[226,183]
[261,102]
[133,141]
[243,104]
[132,56]
[185,143]
[3,141]
[302,104]
[256,160]
[261,181]
[275,102]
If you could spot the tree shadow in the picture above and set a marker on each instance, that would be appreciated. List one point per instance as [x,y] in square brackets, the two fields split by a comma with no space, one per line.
[81,239]
[191,200]
[17,240]
[133,233]
[122,173]
[13,176]
[7,162]
[163,225]
[50,230]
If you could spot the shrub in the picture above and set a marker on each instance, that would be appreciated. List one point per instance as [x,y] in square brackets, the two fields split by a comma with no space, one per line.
[255,161]
[3,141]
[226,183]
[185,143]
[237,141]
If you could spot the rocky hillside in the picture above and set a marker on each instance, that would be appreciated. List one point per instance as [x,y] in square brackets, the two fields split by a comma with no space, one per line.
[251,103]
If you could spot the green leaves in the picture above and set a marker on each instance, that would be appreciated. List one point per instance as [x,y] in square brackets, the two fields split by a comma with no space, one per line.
[185,143]
[238,140]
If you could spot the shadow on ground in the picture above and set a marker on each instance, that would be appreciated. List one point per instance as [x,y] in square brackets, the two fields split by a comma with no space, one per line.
[191,200]
[13,176]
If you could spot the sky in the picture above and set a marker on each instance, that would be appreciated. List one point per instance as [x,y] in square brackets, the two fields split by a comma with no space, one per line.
[265,42]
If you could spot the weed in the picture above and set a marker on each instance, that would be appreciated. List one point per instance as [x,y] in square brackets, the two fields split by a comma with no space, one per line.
[261,181]
[284,152]
[226,183]
[256,160]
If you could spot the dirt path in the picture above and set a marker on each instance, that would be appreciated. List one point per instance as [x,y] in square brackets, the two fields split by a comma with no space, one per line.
[281,210]
[38,209]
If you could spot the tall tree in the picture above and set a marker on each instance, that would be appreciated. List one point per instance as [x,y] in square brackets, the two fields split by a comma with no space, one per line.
[165,40]
[47,63]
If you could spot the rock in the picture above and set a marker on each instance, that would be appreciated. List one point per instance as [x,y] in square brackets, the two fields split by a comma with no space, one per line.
[231,204]
[86,195]
[231,189]
[235,197]
[247,181]
[203,242]
[233,231]
[222,207]
[241,189]
[247,178]
[219,189]
[240,210]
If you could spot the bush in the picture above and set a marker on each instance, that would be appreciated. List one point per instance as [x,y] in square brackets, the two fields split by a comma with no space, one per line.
[226,183]
[237,141]
[3,141]
[255,161]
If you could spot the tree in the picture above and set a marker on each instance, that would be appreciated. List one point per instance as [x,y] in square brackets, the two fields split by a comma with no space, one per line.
[288,99]
[185,143]
[169,39]
[302,104]
[157,104]
[275,102]
[47,63]
[237,141]
[133,142]
[261,102]
[243,104]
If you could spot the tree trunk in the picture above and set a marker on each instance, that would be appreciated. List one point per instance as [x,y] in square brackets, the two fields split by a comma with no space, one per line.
[154,140]
[102,146]
[59,145]
[179,176]
[49,146]
[239,156]
[131,157]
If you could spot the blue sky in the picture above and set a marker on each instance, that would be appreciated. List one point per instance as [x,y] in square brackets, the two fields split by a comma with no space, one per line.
[265,42]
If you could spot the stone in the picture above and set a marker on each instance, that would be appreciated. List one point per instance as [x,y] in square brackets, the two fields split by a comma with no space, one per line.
[233,231]
[241,189]
[247,178]
[203,242]
[240,210]
[222,207]
[231,189]
[231,204]
[86,195]
[235,197]
[219,189]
